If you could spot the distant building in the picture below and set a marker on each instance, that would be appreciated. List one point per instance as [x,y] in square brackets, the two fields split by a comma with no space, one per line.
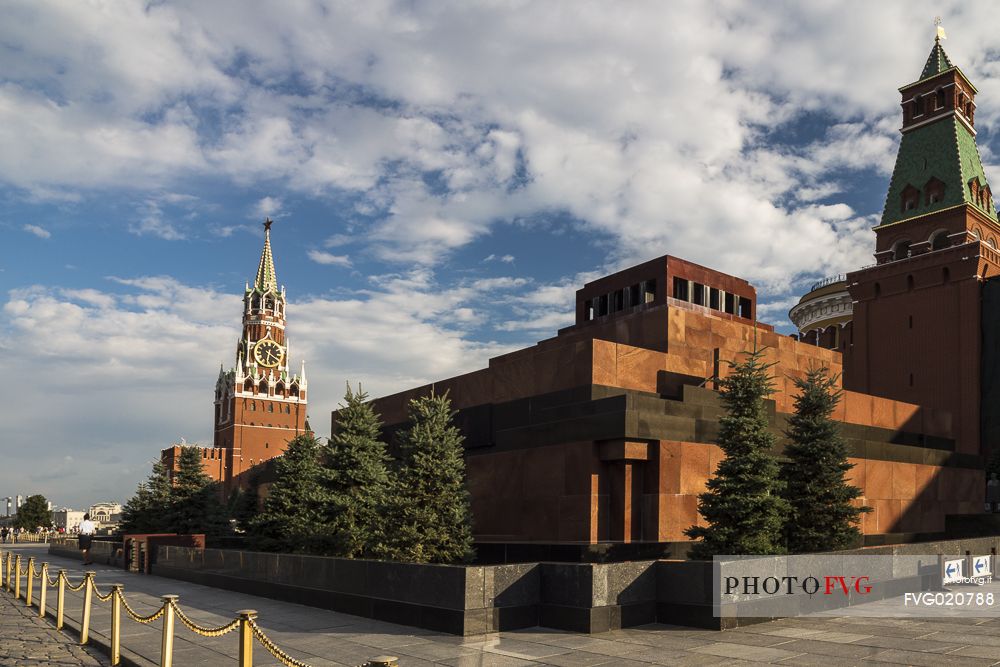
[67,519]
[105,513]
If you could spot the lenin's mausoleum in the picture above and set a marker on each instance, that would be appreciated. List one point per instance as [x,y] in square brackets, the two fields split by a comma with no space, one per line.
[604,433]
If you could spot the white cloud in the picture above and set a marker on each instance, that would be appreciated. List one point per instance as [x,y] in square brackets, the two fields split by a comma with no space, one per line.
[326,258]
[267,207]
[147,350]
[449,119]
[40,232]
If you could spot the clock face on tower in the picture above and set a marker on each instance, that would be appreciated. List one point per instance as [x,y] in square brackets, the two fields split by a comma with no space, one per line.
[267,353]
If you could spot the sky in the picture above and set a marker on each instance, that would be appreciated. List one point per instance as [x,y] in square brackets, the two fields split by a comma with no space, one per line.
[442,175]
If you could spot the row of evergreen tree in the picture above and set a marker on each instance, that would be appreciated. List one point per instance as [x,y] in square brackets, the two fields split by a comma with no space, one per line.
[758,504]
[347,497]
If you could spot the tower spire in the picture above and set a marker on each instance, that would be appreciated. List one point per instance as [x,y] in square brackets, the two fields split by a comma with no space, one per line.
[266,280]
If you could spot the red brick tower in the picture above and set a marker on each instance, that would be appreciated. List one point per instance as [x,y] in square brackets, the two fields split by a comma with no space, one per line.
[259,404]
[918,313]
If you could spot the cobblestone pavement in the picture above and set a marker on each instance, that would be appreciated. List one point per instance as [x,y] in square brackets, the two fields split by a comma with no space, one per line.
[331,639]
[26,639]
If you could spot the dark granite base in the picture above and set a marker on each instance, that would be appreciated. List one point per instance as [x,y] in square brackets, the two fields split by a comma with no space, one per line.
[453,621]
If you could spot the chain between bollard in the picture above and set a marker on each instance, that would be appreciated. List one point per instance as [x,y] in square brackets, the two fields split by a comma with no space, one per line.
[170,610]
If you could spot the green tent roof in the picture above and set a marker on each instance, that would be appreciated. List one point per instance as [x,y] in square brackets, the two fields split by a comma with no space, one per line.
[945,150]
[937,61]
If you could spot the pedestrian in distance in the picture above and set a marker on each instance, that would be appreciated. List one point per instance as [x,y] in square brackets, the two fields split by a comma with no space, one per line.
[5,534]
[87,529]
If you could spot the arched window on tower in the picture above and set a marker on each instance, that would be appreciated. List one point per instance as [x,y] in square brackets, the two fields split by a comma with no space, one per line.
[268,303]
[248,386]
[255,304]
[901,250]
[279,390]
[940,240]
[917,107]
[293,391]
[939,99]
[263,386]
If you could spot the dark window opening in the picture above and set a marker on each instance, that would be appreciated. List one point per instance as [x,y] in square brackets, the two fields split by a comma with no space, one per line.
[633,295]
[681,289]
[911,379]
[248,385]
[918,106]
[940,99]
[878,289]
[650,291]
[588,310]
[713,298]
[263,386]
[945,274]
[901,250]
[746,308]
[909,282]
[940,241]
[270,407]
[911,321]
[619,297]
[602,305]
[730,303]
[699,294]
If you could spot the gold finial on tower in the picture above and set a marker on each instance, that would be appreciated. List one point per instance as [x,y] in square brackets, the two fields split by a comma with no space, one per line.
[939,29]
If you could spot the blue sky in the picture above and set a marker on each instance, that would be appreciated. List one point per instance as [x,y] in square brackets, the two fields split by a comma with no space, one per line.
[443,176]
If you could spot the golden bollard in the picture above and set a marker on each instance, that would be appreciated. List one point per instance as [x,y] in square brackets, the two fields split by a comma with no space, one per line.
[384,661]
[10,563]
[3,568]
[246,636]
[116,624]
[31,581]
[88,595]
[42,588]
[167,644]
[17,577]
[60,598]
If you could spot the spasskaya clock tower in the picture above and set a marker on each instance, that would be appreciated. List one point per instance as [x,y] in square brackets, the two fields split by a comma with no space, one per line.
[259,404]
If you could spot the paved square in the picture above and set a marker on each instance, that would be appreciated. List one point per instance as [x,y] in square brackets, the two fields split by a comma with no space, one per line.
[331,639]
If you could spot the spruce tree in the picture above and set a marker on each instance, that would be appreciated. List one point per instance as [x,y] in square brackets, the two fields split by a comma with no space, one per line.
[147,511]
[428,507]
[356,479]
[743,506]
[195,503]
[821,514]
[293,516]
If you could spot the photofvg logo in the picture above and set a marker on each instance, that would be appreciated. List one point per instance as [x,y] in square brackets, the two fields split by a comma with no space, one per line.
[789,585]
[777,586]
